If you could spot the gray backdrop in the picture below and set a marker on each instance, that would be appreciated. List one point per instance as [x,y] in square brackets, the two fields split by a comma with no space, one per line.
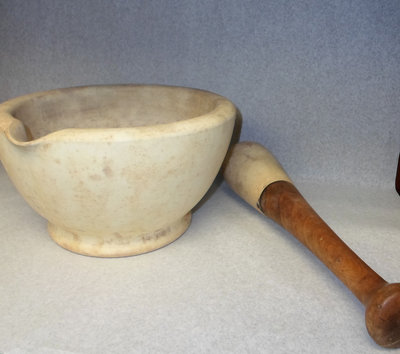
[317,82]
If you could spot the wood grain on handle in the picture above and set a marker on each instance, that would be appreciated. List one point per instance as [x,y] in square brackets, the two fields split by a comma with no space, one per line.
[283,203]
[251,168]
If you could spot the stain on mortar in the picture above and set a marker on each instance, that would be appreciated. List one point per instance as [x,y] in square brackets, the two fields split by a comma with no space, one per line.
[95,177]
[155,235]
[107,171]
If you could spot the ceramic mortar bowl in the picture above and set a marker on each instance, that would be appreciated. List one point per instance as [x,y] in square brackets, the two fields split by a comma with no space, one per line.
[115,169]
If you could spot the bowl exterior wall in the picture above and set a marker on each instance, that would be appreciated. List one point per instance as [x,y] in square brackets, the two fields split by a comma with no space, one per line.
[134,185]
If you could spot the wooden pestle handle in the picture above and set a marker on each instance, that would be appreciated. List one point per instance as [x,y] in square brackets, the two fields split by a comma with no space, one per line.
[258,178]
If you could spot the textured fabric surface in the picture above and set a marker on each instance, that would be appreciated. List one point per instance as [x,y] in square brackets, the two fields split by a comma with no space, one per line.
[317,82]
[233,283]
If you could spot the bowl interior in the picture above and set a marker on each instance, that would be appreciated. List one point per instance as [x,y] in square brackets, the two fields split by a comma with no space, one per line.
[111,107]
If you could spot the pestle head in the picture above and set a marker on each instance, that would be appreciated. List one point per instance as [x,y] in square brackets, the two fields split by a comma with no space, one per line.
[249,168]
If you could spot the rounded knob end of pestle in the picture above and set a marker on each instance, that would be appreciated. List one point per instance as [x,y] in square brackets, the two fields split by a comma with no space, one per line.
[382,316]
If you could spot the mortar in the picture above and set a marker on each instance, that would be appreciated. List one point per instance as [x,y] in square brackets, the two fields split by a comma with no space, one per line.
[115,169]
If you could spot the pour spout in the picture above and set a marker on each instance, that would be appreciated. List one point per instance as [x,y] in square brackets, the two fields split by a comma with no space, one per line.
[12,132]
[5,121]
